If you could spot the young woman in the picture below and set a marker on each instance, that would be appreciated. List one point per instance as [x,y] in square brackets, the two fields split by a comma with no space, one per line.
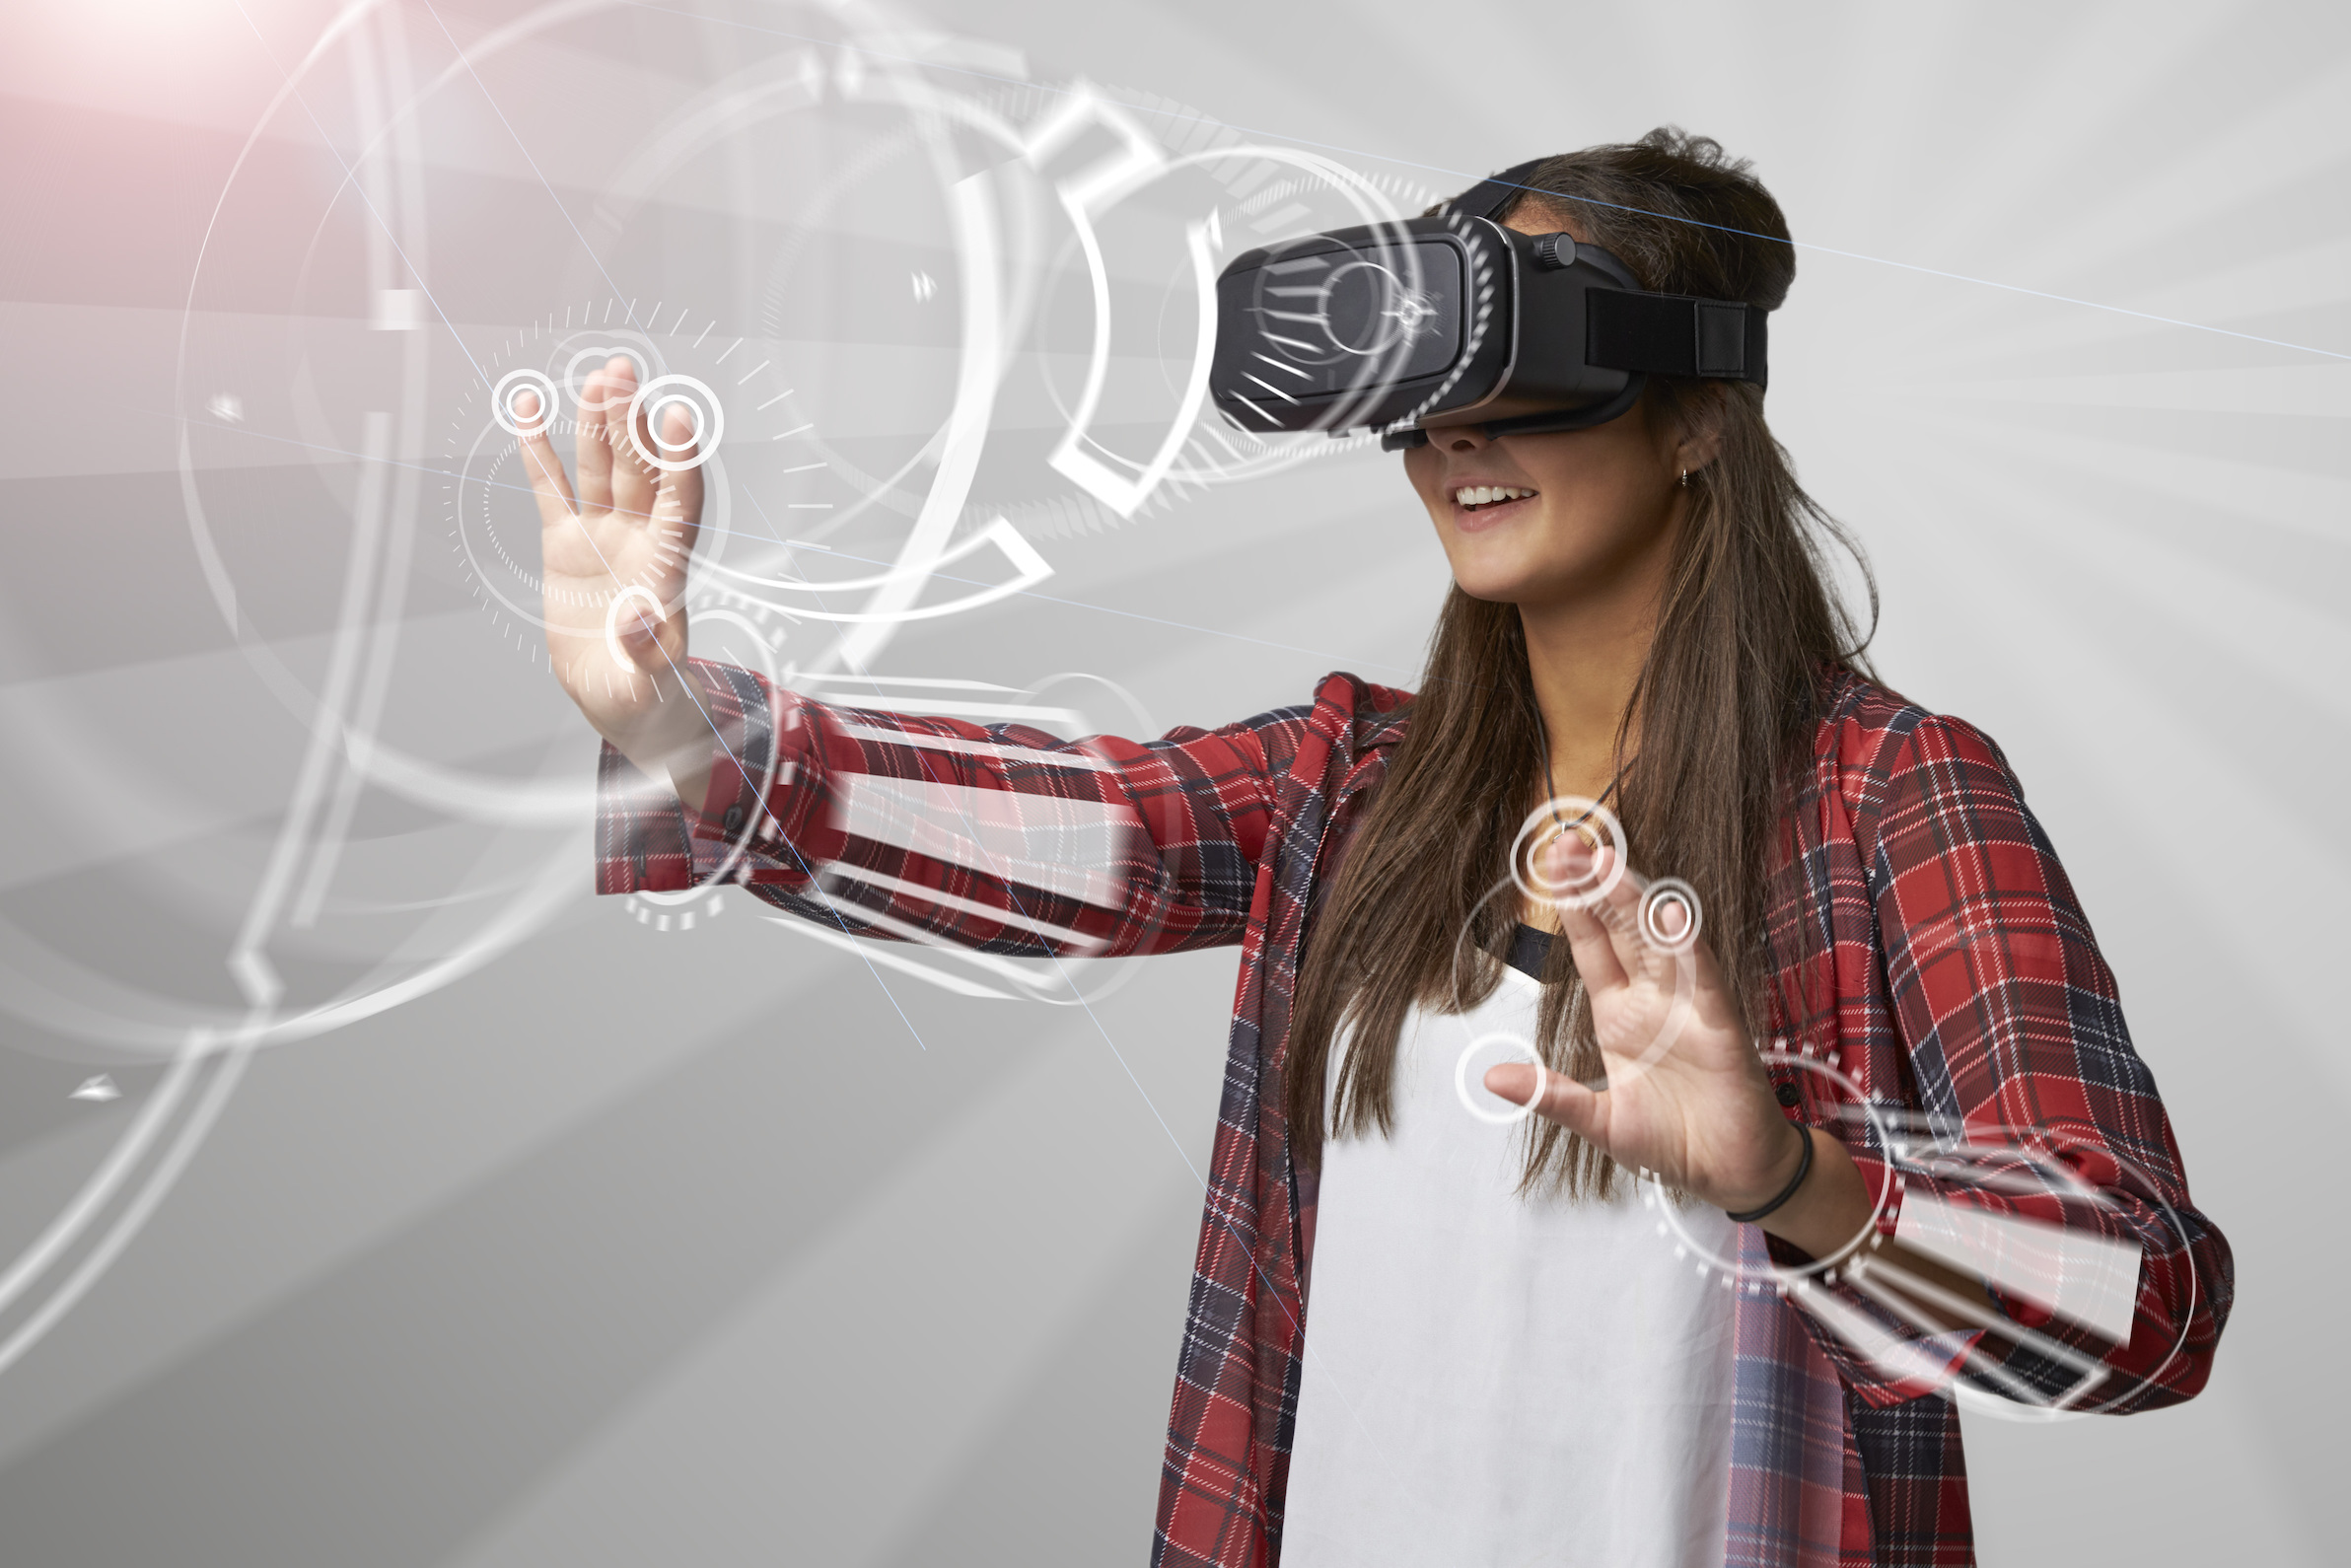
[1506,1363]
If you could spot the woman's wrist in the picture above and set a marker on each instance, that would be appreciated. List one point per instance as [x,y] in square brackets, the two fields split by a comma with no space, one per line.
[1833,1211]
[1788,1188]
[675,742]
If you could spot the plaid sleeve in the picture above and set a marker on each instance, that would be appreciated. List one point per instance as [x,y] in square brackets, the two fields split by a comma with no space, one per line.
[2014,1037]
[1001,838]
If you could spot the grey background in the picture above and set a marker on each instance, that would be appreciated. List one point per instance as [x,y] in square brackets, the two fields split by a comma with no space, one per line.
[633,1247]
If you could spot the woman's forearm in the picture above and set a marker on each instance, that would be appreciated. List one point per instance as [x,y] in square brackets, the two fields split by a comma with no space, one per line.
[1835,1205]
[673,742]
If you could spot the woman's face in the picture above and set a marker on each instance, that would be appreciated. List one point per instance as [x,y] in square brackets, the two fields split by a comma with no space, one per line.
[1589,505]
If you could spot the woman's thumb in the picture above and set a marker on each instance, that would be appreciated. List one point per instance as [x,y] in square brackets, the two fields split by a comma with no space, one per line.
[632,630]
[1555,1097]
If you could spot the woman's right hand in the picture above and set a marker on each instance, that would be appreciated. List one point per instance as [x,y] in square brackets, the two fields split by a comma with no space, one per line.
[613,559]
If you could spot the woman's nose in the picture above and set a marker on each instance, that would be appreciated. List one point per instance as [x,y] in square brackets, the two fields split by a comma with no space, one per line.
[1460,438]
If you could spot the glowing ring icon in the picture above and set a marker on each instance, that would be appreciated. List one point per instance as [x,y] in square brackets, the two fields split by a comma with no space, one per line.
[612,622]
[1565,814]
[693,415]
[513,384]
[716,427]
[1655,898]
[1461,1079]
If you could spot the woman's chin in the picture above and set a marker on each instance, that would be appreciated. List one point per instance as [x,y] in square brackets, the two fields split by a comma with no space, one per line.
[1498,587]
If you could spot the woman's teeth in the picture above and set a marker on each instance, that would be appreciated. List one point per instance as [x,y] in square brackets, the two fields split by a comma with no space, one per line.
[1477,495]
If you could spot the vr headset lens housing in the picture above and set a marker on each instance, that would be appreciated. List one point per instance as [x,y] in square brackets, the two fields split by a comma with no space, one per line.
[1362,310]
[1339,331]
[1456,320]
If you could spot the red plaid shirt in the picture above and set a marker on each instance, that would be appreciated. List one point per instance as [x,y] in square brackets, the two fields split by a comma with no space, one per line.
[1949,973]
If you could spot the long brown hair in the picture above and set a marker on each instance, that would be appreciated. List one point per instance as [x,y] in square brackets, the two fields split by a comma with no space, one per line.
[1727,700]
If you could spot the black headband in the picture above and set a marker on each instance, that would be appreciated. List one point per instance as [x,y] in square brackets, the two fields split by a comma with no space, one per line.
[1663,335]
[1490,195]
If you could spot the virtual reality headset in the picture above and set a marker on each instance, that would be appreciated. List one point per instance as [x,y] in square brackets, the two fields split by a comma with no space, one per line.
[1426,323]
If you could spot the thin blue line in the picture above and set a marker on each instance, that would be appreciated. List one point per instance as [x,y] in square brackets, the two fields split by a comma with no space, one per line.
[1455,174]
[463,477]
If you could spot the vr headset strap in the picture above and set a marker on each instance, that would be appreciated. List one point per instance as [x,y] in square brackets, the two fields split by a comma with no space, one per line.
[1646,334]
[1673,335]
[1663,334]
[1490,195]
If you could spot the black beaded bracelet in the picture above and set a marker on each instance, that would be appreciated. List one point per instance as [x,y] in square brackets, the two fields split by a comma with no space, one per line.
[1804,1168]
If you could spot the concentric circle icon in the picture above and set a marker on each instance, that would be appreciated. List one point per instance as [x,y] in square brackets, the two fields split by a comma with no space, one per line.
[509,391]
[1660,895]
[706,422]
[1553,821]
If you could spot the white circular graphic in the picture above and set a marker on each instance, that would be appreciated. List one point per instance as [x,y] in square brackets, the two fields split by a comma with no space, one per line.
[1461,1079]
[708,423]
[1660,895]
[1553,820]
[511,387]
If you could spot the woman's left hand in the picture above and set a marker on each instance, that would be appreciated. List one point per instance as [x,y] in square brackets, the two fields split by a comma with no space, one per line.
[1701,1115]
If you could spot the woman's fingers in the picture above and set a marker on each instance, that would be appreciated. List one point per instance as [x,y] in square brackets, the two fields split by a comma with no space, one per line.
[1715,1005]
[594,458]
[678,511]
[1618,911]
[1572,864]
[1563,1100]
[1604,928]
[540,463]
[632,477]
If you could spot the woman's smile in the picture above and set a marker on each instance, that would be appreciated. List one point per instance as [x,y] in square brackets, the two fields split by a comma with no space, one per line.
[1482,506]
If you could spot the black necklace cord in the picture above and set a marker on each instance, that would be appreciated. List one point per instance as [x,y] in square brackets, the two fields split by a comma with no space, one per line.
[1551,785]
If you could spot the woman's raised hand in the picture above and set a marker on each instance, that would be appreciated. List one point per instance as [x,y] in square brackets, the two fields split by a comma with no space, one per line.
[1700,1112]
[613,556]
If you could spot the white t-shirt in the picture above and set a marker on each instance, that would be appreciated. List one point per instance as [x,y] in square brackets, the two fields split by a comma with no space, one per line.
[1492,1380]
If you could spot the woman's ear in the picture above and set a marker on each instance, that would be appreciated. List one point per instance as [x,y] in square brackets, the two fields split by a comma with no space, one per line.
[1700,440]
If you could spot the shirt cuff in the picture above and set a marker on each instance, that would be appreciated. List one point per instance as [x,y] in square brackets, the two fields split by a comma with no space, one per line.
[647,839]
[762,820]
